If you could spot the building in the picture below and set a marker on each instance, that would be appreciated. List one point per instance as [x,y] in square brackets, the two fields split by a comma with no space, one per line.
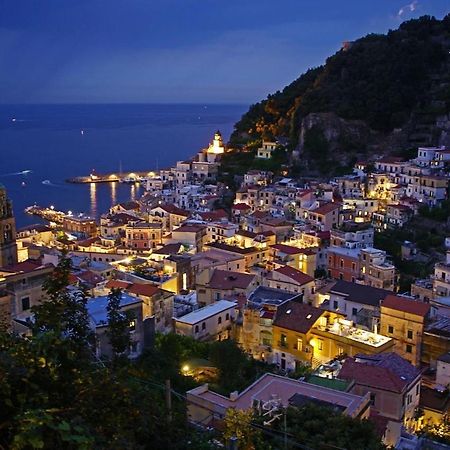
[22,287]
[140,329]
[392,383]
[80,226]
[303,334]
[291,280]
[357,302]
[212,322]
[8,245]
[143,236]
[215,284]
[209,408]
[404,320]
[266,150]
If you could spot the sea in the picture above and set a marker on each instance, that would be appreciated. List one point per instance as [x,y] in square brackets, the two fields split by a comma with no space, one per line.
[41,146]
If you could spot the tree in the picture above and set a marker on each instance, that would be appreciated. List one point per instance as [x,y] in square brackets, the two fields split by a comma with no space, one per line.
[118,323]
[238,424]
[321,427]
[438,431]
[63,311]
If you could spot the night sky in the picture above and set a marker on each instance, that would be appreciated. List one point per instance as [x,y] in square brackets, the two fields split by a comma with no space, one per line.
[198,51]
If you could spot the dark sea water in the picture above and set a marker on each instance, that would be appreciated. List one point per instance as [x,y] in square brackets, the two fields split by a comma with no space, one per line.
[47,140]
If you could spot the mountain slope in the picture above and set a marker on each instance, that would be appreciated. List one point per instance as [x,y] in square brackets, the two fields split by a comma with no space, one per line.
[380,93]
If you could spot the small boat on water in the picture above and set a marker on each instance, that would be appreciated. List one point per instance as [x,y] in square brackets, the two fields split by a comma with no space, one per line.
[46,182]
[24,184]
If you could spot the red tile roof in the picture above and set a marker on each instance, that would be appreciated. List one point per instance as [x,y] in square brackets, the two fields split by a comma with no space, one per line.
[327,208]
[403,304]
[297,316]
[372,376]
[211,216]
[296,275]
[226,279]
[290,250]
[117,284]
[241,206]
[146,290]
[172,209]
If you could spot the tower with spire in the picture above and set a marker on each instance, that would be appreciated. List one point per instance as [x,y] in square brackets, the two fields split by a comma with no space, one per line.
[8,245]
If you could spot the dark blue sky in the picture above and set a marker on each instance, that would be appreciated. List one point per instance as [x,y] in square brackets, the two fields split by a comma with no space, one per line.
[234,51]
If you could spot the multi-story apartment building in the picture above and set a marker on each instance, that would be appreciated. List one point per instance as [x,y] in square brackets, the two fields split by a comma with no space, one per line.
[143,236]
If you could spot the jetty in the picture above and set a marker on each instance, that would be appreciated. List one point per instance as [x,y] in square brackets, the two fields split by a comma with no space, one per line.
[49,213]
[128,177]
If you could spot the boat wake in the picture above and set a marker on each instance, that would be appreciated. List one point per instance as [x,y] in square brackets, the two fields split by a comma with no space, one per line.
[13,174]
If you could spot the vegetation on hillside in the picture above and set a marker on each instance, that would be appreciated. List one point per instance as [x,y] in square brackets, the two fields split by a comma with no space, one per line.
[380,79]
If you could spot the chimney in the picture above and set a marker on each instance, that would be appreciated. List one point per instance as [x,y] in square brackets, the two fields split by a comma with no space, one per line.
[234,396]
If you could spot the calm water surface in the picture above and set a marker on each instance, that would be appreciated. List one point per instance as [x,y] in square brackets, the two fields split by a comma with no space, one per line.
[56,142]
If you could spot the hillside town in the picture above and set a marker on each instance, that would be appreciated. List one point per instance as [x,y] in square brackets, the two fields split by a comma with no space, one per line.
[288,269]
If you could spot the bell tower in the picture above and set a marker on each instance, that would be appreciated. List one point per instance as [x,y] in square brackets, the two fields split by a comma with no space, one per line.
[8,246]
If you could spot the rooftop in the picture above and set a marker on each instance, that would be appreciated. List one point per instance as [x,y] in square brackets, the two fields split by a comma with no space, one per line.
[297,316]
[271,386]
[226,279]
[406,305]
[97,307]
[359,293]
[268,296]
[208,311]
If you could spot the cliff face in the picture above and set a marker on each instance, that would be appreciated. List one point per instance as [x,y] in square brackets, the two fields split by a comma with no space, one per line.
[384,93]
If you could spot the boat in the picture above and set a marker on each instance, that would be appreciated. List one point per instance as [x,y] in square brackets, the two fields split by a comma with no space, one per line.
[46,182]
[82,132]
[23,183]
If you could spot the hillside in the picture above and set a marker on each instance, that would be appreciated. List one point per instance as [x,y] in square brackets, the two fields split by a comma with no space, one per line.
[380,94]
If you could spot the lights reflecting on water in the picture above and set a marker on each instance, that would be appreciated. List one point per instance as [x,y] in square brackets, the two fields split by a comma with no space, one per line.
[93,199]
[113,193]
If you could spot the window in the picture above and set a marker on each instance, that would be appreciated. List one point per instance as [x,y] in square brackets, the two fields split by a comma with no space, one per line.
[219,320]
[299,344]
[227,317]
[132,325]
[320,344]
[335,304]
[203,326]
[283,340]
[340,351]
[25,303]
[417,388]
[410,334]
[408,348]
[372,398]
[390,329]
[196,328]
[354,311]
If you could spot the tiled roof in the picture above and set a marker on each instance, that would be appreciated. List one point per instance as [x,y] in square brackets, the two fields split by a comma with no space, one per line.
[290,250]
[172,209]
[146,290]
[372,376]
[241,206]
[406,305]
[117,284]
[169,249]
[327,208]
[297,275]
[210,216]
[226,279]
[296,316]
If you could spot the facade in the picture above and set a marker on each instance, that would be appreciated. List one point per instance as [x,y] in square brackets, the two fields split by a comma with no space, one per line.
[81,226]
[212,322]
[303,334]
[404,320]
[392,383]
[143,236]
[266,150]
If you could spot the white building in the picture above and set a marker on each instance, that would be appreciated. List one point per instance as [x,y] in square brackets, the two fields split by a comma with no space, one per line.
[212,322]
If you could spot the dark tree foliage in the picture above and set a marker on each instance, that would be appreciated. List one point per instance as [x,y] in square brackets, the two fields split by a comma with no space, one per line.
[118,323]
[322,428]
[55,394]
[64,310]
